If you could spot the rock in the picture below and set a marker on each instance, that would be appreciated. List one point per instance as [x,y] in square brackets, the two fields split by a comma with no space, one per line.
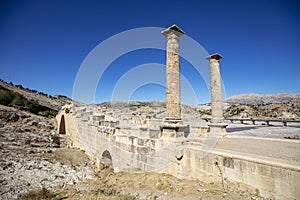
[30,151]
[24,145]
[33,123]
[9,115]
[294,137]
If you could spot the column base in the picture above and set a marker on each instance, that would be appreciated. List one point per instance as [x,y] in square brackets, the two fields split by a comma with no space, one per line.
[217,120]
[217,129]
[172,131]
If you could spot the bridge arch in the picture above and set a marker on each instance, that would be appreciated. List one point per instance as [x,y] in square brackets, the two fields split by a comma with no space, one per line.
[62,125]
[106,159]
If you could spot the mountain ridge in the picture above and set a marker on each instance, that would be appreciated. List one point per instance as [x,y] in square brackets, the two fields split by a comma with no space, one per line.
[257,99]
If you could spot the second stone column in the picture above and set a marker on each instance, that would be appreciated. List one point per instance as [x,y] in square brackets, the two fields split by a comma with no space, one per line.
[217,125]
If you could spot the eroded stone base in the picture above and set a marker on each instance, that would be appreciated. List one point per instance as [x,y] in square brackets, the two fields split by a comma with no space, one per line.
[217,129]
[172,132]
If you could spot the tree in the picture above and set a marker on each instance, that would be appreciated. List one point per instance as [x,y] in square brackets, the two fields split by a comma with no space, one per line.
[18,101]
[33,106]
[19,86]
[5,98]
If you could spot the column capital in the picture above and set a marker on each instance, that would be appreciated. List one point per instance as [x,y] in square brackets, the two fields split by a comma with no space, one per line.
[215,56]
[174,29]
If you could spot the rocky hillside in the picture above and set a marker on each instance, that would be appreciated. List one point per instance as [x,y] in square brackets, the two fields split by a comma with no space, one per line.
[289,111]
[52,102]
[259,99]
[32,156]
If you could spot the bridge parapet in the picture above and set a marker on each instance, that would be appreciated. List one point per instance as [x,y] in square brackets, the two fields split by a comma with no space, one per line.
[269,122]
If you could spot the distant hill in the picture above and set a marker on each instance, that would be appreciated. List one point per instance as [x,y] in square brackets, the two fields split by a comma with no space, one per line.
[278,106]
[259,99]
[52,102]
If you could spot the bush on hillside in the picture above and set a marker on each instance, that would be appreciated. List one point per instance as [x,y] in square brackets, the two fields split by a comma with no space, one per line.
[14,99]
[49,113]
[33,106]
[19,86]
[5,98]
[18,100]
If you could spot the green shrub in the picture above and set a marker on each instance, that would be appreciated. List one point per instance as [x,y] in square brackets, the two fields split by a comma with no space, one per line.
[110,191]
[33,106]
[55,139]
[10,98]
[5,98]
[67,110]
[19,86]
[49,113]
[18,101]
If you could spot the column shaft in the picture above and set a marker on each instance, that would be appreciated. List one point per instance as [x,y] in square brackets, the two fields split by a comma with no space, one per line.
[173,78]
[216,91]
[217,125]
[173,73]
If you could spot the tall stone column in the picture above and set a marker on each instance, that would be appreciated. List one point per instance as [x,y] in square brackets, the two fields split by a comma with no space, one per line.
[217,124]
[172,127]
[173,74]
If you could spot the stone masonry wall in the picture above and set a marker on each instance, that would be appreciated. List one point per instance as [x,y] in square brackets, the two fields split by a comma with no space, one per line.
[131,146]
[269,180]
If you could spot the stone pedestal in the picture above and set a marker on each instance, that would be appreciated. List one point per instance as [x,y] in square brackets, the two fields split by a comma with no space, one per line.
[217,125]
[172,136]
[217,129]
[172,130]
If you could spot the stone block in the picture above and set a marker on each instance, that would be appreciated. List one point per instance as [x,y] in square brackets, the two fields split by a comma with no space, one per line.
[142,150]
[228,162]
[141,141]
[154,133]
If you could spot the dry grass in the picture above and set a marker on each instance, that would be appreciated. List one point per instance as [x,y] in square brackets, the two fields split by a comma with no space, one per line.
[131,186]
[42,194]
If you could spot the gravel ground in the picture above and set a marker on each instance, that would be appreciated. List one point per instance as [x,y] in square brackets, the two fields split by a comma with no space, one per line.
[30,158]
[275,131]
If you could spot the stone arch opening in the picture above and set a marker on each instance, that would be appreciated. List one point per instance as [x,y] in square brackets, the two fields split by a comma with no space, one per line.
[106,159]
[62,125]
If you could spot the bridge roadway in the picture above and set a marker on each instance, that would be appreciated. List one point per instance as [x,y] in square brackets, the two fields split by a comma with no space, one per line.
[268,150]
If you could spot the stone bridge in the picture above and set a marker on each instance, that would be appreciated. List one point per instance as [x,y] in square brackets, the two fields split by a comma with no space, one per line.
[125,136]
[172,138]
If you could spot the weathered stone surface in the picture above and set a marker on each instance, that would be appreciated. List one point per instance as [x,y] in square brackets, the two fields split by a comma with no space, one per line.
[173,72]
[216,88]
[26,151]
[217,122]
[8,115]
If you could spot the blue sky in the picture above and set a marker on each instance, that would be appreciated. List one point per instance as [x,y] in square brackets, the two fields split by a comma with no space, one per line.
[43,43]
